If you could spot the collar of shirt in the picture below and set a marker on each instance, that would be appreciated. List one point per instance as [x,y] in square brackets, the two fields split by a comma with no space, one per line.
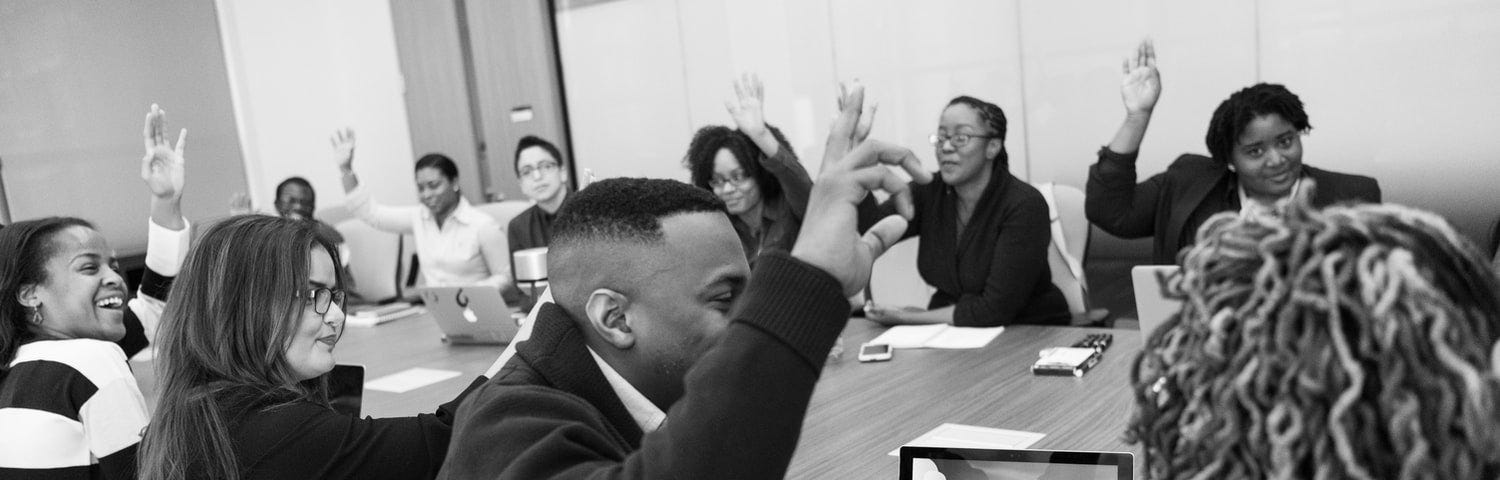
[1249,206]
[645,413]
[464,213]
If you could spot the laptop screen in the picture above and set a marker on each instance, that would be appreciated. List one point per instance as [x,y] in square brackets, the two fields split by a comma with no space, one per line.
[931,463]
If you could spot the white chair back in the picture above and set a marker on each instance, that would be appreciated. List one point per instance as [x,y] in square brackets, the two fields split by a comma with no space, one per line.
[373,259]
[894,280]
[1070,241]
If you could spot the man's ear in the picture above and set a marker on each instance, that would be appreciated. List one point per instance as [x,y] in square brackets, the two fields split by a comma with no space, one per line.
[27,296]
[606,311]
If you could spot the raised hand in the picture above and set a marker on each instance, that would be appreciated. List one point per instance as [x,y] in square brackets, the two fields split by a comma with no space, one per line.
[239,204]
[1141,86]
[852,167]
[748,108]
[162,167]
[343,148]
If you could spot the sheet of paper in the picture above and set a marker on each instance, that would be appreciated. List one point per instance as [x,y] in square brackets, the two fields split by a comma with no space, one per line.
[953,435]
[909,336]
[963,337]
[409,379]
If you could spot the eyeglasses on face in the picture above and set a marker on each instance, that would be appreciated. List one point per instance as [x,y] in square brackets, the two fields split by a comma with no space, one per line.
[323,297]
[958,140]
[544,167]
[737,178]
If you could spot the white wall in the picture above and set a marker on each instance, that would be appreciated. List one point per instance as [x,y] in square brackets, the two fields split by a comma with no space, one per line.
[299,69]
[1402,90]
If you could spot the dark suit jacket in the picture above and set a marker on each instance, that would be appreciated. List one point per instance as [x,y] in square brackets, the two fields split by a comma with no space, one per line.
[1162,206]
[550,413]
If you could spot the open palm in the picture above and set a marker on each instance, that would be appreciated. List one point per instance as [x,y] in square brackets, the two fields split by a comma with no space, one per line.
[1141,86]
[162,167]
[748,108]
[343,147]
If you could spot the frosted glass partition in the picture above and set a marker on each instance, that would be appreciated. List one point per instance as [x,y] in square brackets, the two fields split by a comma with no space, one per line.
[1389,84]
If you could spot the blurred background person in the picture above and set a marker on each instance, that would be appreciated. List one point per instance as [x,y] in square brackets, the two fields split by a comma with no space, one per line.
[544,179]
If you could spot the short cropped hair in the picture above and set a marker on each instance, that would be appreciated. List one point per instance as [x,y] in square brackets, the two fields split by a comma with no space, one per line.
[709,140]
[1244,106]
[442,163]
[298,181]
[535,141]
[627,210]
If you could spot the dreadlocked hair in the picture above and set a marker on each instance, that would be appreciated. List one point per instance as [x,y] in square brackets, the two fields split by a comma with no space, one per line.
[1352,342]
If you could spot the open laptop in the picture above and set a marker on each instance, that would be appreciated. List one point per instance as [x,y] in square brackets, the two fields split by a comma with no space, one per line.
[933,463]
[474,314]
[1152,307]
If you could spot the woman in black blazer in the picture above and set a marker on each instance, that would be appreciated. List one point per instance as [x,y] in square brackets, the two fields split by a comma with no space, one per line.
[1255,139]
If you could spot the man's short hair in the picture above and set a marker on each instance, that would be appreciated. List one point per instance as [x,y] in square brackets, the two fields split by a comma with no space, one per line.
[627,210]
[299,181]
[535,141]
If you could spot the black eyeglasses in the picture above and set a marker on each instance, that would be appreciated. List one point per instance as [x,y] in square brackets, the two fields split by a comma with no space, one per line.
[545,167]
[736,178]
[323,297]
[958,140]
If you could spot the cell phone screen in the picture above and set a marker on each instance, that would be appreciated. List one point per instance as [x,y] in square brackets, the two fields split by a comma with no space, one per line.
[875,349]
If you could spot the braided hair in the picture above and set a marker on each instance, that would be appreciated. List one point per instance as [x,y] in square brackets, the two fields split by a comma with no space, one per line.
[1352,342]
[1243,107]
[994,118]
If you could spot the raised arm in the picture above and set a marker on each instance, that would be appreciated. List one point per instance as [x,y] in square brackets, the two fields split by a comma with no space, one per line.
[749,116]
[162,169]
[390,219]
[1114,201]
[742,410]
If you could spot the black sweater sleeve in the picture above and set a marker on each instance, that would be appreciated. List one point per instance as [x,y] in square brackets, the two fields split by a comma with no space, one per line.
[1115,202]
[739,417]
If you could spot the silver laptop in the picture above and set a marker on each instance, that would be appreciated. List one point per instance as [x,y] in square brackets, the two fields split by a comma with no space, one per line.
[472,314]
[930,463]
[1152,307]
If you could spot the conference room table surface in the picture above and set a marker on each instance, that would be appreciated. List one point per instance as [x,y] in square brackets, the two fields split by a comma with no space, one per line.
[859,411]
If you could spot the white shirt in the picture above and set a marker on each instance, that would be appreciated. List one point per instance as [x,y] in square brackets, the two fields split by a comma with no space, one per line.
[468,249]
[645,413]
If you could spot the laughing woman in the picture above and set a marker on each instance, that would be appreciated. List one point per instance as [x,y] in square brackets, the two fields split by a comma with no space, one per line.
[244,347]
[69,405]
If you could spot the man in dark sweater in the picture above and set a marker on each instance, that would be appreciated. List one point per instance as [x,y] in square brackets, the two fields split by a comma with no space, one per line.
[650,365]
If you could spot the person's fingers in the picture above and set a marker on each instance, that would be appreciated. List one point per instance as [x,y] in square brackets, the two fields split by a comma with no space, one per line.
[146,129]
[181,142]
[158,127]
[1150,52]
[759,88]
[879,177]
[883,235]
[866,122]
[739,87]
[732,107]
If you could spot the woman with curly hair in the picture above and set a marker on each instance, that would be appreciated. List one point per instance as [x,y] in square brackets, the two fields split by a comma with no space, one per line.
[1352,342]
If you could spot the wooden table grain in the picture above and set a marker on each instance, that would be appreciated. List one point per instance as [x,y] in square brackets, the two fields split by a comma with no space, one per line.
[859,411]
[862,411]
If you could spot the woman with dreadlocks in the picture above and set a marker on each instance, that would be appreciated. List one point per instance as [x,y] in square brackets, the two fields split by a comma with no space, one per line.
[984,232]
[1352,342]
[1255,138]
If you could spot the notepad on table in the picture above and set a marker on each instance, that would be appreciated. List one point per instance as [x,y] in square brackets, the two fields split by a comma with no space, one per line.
[410,379]
[376,315]
[938,336]
[953,435]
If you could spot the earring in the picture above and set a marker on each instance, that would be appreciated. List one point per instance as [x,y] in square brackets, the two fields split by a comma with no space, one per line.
[36,314]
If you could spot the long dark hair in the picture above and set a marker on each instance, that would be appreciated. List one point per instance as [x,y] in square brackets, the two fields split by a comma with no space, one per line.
[222,345]
[25,248]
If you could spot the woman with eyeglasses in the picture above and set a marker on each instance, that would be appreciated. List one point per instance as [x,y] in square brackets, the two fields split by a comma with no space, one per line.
[243,351]
[1255,141]
[69,404]
[456,243]
[754,171]
[984,232]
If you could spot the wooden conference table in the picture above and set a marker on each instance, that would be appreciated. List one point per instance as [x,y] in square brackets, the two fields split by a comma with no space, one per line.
[859,412]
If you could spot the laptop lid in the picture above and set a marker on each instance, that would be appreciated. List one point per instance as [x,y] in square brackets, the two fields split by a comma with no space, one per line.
[1152,307]
[937,463]
[346,388]
[474,314]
